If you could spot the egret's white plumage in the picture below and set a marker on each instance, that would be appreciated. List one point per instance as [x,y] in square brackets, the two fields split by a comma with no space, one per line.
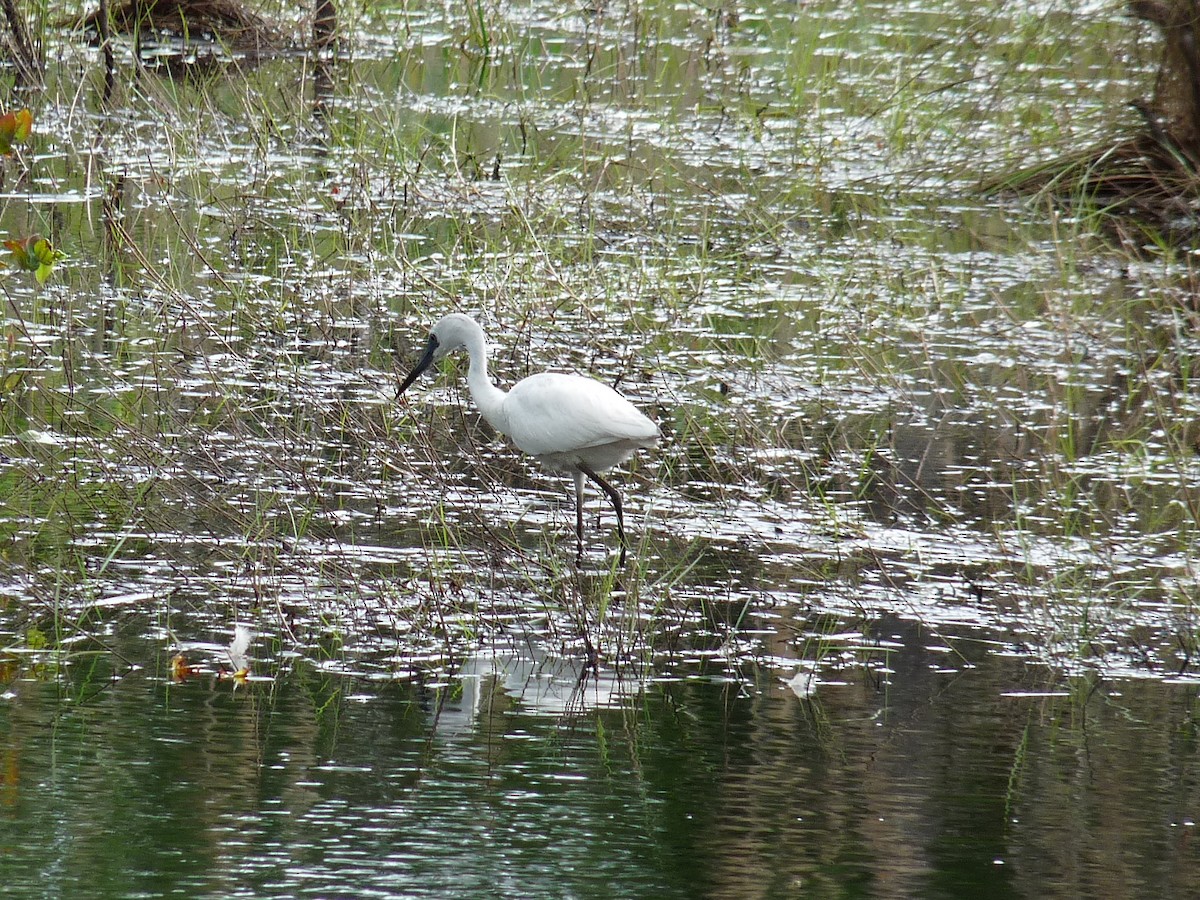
[568,422]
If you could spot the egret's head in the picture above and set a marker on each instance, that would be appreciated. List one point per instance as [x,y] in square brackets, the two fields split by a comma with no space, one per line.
[449,334]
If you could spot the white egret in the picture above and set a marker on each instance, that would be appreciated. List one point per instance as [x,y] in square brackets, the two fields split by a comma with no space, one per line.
[569,422]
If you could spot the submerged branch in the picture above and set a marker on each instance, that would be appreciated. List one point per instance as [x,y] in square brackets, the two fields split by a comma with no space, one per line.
[225,21]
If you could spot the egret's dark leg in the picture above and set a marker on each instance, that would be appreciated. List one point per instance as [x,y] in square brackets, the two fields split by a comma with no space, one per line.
[616,502]
[578,515]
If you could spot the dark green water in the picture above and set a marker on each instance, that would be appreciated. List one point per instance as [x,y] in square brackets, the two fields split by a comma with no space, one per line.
[524,784]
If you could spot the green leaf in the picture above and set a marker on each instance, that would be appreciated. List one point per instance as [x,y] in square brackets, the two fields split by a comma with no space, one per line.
[34,254]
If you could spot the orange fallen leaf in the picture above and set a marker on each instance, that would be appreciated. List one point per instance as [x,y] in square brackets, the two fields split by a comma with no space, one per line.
[15,128]
[180,668]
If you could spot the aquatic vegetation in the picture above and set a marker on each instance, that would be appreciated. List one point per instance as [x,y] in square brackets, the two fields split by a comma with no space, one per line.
[881,392]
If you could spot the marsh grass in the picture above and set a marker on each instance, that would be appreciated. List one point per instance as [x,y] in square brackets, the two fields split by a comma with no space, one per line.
[879,395]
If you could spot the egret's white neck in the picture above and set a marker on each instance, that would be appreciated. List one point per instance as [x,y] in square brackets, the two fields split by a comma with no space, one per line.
[488,397]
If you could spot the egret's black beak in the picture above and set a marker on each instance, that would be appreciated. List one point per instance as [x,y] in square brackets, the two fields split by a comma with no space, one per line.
[423,363]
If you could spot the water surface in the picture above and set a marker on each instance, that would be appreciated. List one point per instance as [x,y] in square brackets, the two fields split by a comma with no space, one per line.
[911,606]
[953,774]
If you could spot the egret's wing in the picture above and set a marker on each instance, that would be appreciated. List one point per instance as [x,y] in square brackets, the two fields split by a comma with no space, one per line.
[552,413]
